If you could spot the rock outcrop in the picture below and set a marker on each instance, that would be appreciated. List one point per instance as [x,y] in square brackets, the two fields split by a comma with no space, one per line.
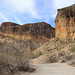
[55,47]
[65,23]
[18,41]
[41,31]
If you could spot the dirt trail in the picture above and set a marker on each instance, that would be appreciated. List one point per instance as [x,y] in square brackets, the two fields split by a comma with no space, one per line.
[53,69]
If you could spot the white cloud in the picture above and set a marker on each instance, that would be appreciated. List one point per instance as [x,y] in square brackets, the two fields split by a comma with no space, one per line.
[58,4]
[18,21]
[31,10]
[3,17]
[24,6]
[63,3]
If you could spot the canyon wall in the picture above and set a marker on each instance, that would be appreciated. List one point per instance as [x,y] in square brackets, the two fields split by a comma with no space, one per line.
[36,31]
[65,23]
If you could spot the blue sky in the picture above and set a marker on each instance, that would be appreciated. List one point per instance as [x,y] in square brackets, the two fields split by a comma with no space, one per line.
[31,11]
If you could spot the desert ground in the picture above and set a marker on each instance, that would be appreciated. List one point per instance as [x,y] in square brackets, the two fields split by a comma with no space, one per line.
[53,69]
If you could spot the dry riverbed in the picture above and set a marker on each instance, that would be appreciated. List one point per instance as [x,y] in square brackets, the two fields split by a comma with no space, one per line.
[53,69]
[48,69]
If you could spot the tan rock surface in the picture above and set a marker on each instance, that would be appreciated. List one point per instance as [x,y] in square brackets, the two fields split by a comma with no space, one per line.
[65,23]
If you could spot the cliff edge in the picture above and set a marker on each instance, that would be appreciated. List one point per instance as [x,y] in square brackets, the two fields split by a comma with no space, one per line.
[35,31]
[65,23]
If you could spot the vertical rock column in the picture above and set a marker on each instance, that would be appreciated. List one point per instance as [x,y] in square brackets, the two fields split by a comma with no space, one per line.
[65,23]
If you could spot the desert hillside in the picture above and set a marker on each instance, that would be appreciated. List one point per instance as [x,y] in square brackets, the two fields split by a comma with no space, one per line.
[62,47]
[37,31]
[38,43]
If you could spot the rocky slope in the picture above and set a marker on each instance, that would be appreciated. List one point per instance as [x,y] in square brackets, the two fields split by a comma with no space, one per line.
[37,31]
[18,41]
[63,44]
[65,23]
[52,50]
[15,51]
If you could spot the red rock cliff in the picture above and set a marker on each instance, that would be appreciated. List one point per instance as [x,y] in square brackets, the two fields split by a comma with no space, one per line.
[65,23]
[35,31]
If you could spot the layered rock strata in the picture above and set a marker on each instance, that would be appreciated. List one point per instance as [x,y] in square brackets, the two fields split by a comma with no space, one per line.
[65,23]
[36,31]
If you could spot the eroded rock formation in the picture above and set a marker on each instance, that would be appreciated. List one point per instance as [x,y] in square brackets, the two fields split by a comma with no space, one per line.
[33,31]
[65,23]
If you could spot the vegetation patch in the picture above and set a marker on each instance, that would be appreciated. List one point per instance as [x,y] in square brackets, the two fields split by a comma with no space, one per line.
[72,41]
[37,54]
[60,47]
[73,49]
[63,61]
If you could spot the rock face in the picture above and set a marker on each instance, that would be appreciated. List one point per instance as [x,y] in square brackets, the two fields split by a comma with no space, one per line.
[38,30]
[65,23]
[8,27]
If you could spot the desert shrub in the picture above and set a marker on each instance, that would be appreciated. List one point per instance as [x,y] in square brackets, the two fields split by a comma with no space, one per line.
[9,69]
[73,49]
[13,54]
[53,58]
[63,61]
[37,55]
